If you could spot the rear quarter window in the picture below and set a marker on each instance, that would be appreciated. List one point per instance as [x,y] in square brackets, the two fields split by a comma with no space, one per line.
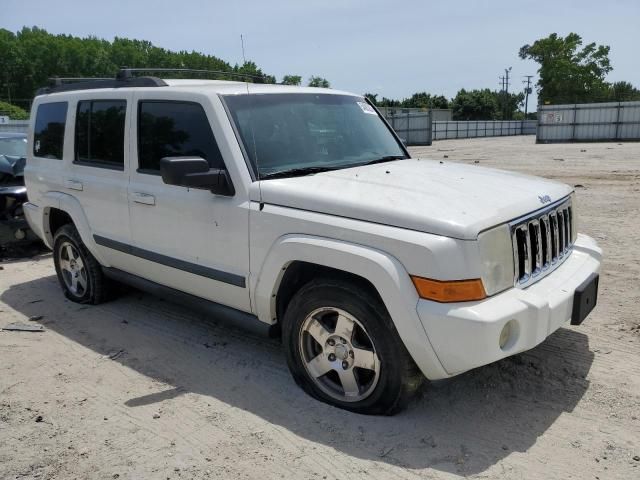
[48,134]
[99,133]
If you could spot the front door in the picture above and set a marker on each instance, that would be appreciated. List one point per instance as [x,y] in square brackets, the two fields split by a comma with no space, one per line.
[184,238]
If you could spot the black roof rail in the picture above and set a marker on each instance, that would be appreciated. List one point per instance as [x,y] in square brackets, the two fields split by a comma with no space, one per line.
[126,73]
[126,78]
[70,84]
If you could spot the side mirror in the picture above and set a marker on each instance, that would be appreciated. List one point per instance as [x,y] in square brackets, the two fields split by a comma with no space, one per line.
[194,172]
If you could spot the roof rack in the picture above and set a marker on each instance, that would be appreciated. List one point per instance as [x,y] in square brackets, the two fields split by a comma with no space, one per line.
[71,84]
[125,73]
[126,78]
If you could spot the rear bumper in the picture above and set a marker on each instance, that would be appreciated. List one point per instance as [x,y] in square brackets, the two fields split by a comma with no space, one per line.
[33,213]
[466,335]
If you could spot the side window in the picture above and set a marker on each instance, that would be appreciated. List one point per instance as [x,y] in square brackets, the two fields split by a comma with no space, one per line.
[174,129]
[100,132]
[48,135]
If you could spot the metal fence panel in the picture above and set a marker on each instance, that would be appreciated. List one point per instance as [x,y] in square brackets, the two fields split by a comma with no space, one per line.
[589,122]
[414,129]
[14,126]
[482,128]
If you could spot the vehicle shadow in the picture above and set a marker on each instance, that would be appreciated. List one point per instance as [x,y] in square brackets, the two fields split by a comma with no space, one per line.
[462,425]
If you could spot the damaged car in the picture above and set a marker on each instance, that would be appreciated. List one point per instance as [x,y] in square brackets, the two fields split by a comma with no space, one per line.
[14,230]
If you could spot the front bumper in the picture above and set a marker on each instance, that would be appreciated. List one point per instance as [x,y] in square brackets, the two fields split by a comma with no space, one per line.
[466,335]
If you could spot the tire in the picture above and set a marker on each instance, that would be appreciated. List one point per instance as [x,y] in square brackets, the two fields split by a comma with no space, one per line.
[72,259]
[335,331]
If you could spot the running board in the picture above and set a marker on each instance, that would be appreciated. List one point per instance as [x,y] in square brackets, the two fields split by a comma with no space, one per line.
[227,315]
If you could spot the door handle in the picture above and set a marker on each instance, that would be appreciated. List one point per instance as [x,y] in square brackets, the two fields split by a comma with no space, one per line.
[73,184]
[143,198]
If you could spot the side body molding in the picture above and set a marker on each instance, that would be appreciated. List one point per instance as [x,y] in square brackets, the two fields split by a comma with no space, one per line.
[384,271]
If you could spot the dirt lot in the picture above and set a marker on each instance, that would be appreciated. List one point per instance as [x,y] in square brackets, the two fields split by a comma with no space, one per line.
[139,388]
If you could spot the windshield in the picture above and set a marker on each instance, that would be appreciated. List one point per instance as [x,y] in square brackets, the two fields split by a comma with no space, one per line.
[13,147]
[307,132]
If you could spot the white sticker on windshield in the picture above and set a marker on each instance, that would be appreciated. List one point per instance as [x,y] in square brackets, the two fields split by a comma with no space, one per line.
[366,108]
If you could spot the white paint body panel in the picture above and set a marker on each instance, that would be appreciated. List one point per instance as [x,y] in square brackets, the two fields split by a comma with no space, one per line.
[443,198]
[421,218]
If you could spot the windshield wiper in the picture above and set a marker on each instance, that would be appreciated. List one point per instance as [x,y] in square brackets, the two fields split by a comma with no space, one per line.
[295,172]
[387,158]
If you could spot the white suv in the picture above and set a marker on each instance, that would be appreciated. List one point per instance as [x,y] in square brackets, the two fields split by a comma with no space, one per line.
[298,212]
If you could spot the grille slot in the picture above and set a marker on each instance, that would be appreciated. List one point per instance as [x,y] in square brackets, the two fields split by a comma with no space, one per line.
[541,242]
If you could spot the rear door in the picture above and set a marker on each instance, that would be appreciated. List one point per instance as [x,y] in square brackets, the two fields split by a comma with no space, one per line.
[187,239]
[99,172]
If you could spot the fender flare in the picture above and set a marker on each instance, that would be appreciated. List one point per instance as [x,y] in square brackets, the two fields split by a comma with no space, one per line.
[70,205]
[384,271]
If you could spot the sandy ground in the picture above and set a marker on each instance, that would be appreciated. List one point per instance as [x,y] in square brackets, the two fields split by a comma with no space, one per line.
[139,388]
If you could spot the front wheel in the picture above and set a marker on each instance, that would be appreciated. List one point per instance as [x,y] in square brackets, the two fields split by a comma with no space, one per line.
[343,349]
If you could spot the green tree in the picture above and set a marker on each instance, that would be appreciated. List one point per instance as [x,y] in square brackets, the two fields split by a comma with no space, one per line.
[389,102]
[13,112]
[569,73]
[509,104]
[291,80]
[417,100]
[425,100]
[315,81]
[254,73]
[475,105]
[486,105]
[31,56]
[622,92]
[373,97]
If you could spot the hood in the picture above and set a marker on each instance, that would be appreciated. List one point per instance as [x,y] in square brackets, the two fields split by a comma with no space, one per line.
[12,165]
[450,199]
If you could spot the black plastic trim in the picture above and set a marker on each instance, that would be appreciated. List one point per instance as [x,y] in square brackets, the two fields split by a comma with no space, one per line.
[585,299]
[91,84]
[252,170]
[230,316]
[212,273]
[149,171]
[389,127]
[96,164]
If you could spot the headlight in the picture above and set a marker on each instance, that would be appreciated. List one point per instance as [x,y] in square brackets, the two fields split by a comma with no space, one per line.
[496,256]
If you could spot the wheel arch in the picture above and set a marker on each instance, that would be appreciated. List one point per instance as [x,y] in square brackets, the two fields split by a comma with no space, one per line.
[298,273]
[60,208]
[384,273]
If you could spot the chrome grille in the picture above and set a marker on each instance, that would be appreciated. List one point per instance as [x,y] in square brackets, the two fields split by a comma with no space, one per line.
[541,242]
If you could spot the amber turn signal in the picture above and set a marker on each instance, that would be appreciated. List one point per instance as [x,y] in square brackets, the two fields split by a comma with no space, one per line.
[449,291]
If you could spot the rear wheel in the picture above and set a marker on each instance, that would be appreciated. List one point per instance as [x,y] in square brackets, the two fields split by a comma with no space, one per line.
[343,349]
[79,273]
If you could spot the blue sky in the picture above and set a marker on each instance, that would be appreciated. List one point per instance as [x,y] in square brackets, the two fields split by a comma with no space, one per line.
[391,48]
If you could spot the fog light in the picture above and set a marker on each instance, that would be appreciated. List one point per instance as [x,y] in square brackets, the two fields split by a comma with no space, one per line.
[508,334]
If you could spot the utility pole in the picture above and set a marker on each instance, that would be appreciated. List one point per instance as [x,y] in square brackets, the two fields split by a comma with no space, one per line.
[506,115]
[527,91]
[506,80]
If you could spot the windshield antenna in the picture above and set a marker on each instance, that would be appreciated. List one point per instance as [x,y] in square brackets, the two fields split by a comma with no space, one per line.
[253,137]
